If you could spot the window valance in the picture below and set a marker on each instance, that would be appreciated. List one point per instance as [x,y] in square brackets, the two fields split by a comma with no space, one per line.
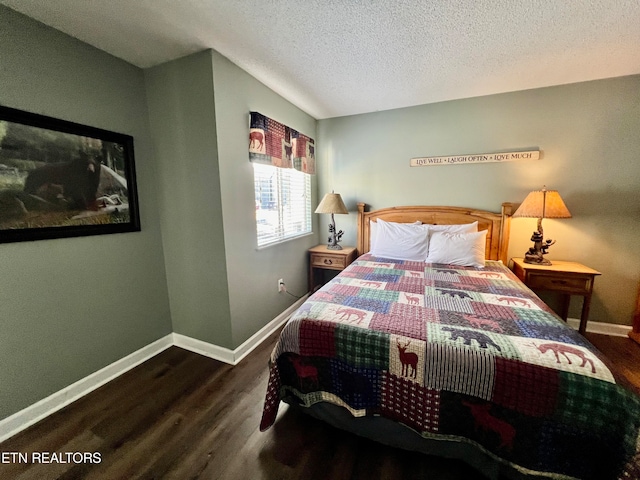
[273,143]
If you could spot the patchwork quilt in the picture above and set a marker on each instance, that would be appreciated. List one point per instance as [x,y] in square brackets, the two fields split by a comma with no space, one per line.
[462,354]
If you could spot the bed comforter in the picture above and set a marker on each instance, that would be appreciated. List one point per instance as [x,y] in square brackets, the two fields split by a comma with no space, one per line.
[460,354]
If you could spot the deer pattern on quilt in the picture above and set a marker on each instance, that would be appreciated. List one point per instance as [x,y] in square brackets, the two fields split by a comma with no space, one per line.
[463,353]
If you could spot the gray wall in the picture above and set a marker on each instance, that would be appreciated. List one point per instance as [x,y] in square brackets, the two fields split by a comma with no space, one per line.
[183,122]
[222,288]
[588,136]
[69,307]
[253,273]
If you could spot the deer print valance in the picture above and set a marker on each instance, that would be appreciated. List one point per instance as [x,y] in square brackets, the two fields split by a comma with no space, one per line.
[273,143]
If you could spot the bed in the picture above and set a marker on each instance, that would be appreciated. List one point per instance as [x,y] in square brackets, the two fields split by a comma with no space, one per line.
[441,349]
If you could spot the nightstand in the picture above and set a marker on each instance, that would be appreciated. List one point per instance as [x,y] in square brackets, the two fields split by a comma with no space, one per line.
[321,257]
[566,278]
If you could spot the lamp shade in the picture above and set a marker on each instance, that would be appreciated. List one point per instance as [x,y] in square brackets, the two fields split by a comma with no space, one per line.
[332,203]
[543,204]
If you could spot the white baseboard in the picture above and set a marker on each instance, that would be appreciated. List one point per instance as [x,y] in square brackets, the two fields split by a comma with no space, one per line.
[612,329]
[261,335]
[51,404]
[233,357]
[203,348]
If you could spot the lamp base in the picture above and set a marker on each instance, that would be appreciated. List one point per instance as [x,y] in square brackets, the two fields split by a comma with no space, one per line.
[536,260]
[334,247]
[535,255]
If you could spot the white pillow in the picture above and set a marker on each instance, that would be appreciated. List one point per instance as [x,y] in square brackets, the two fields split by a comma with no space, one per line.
[373,231]
[462,228]
[401,241]
[464,249]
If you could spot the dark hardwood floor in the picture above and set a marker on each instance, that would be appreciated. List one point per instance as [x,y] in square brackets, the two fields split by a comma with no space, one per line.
[184,416]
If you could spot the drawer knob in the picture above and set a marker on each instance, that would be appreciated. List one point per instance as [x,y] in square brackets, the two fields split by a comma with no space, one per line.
[327,261]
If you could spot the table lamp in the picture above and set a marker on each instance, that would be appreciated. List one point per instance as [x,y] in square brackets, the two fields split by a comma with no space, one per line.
[541,204]
[332,203]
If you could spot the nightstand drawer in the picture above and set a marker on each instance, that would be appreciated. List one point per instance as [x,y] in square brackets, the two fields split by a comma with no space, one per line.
[566,278]
[554,282]
[323,258]
[338,262]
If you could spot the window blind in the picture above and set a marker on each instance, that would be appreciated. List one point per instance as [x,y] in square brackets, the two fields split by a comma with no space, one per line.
[283,203]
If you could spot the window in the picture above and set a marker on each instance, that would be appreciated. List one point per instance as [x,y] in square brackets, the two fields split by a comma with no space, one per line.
[283,203]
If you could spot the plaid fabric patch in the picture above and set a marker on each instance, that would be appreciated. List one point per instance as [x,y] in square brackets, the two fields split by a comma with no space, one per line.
[381,277]
[364,303]
[488,310]
[415,266]
[536,317]
[389,271]
[409,403]
[407,320]
[345,290]
[578,453]
[551,331]
[595,405]
[381,295]
[526,388]
[362,348]
[359,387]
[362,270]
[317,339]
[408,285]
[272,399]
[482,282]
[411,312]
[419,266]
[508,287]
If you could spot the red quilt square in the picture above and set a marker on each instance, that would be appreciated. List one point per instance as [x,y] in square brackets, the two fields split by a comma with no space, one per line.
[317,339]
[409,403]
[346,290]
[395,323]
[493,311]
[408,285]
[526,388]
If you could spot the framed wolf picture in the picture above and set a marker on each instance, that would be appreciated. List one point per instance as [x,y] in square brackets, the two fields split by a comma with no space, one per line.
[62,179]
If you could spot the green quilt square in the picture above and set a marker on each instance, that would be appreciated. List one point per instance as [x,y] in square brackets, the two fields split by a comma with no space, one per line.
[596,405]
[382,295]
[362,348]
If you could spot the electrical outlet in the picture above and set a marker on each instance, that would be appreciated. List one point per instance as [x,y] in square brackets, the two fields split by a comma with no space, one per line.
[281,286]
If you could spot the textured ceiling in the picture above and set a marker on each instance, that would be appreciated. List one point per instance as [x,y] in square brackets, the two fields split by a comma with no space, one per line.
[341,57]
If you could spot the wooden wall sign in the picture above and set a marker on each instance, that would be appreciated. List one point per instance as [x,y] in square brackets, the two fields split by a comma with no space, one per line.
[475,158]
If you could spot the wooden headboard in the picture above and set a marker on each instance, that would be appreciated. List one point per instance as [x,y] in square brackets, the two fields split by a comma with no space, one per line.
[496,224]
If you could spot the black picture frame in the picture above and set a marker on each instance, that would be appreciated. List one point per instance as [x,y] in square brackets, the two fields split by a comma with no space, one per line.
[61,179]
